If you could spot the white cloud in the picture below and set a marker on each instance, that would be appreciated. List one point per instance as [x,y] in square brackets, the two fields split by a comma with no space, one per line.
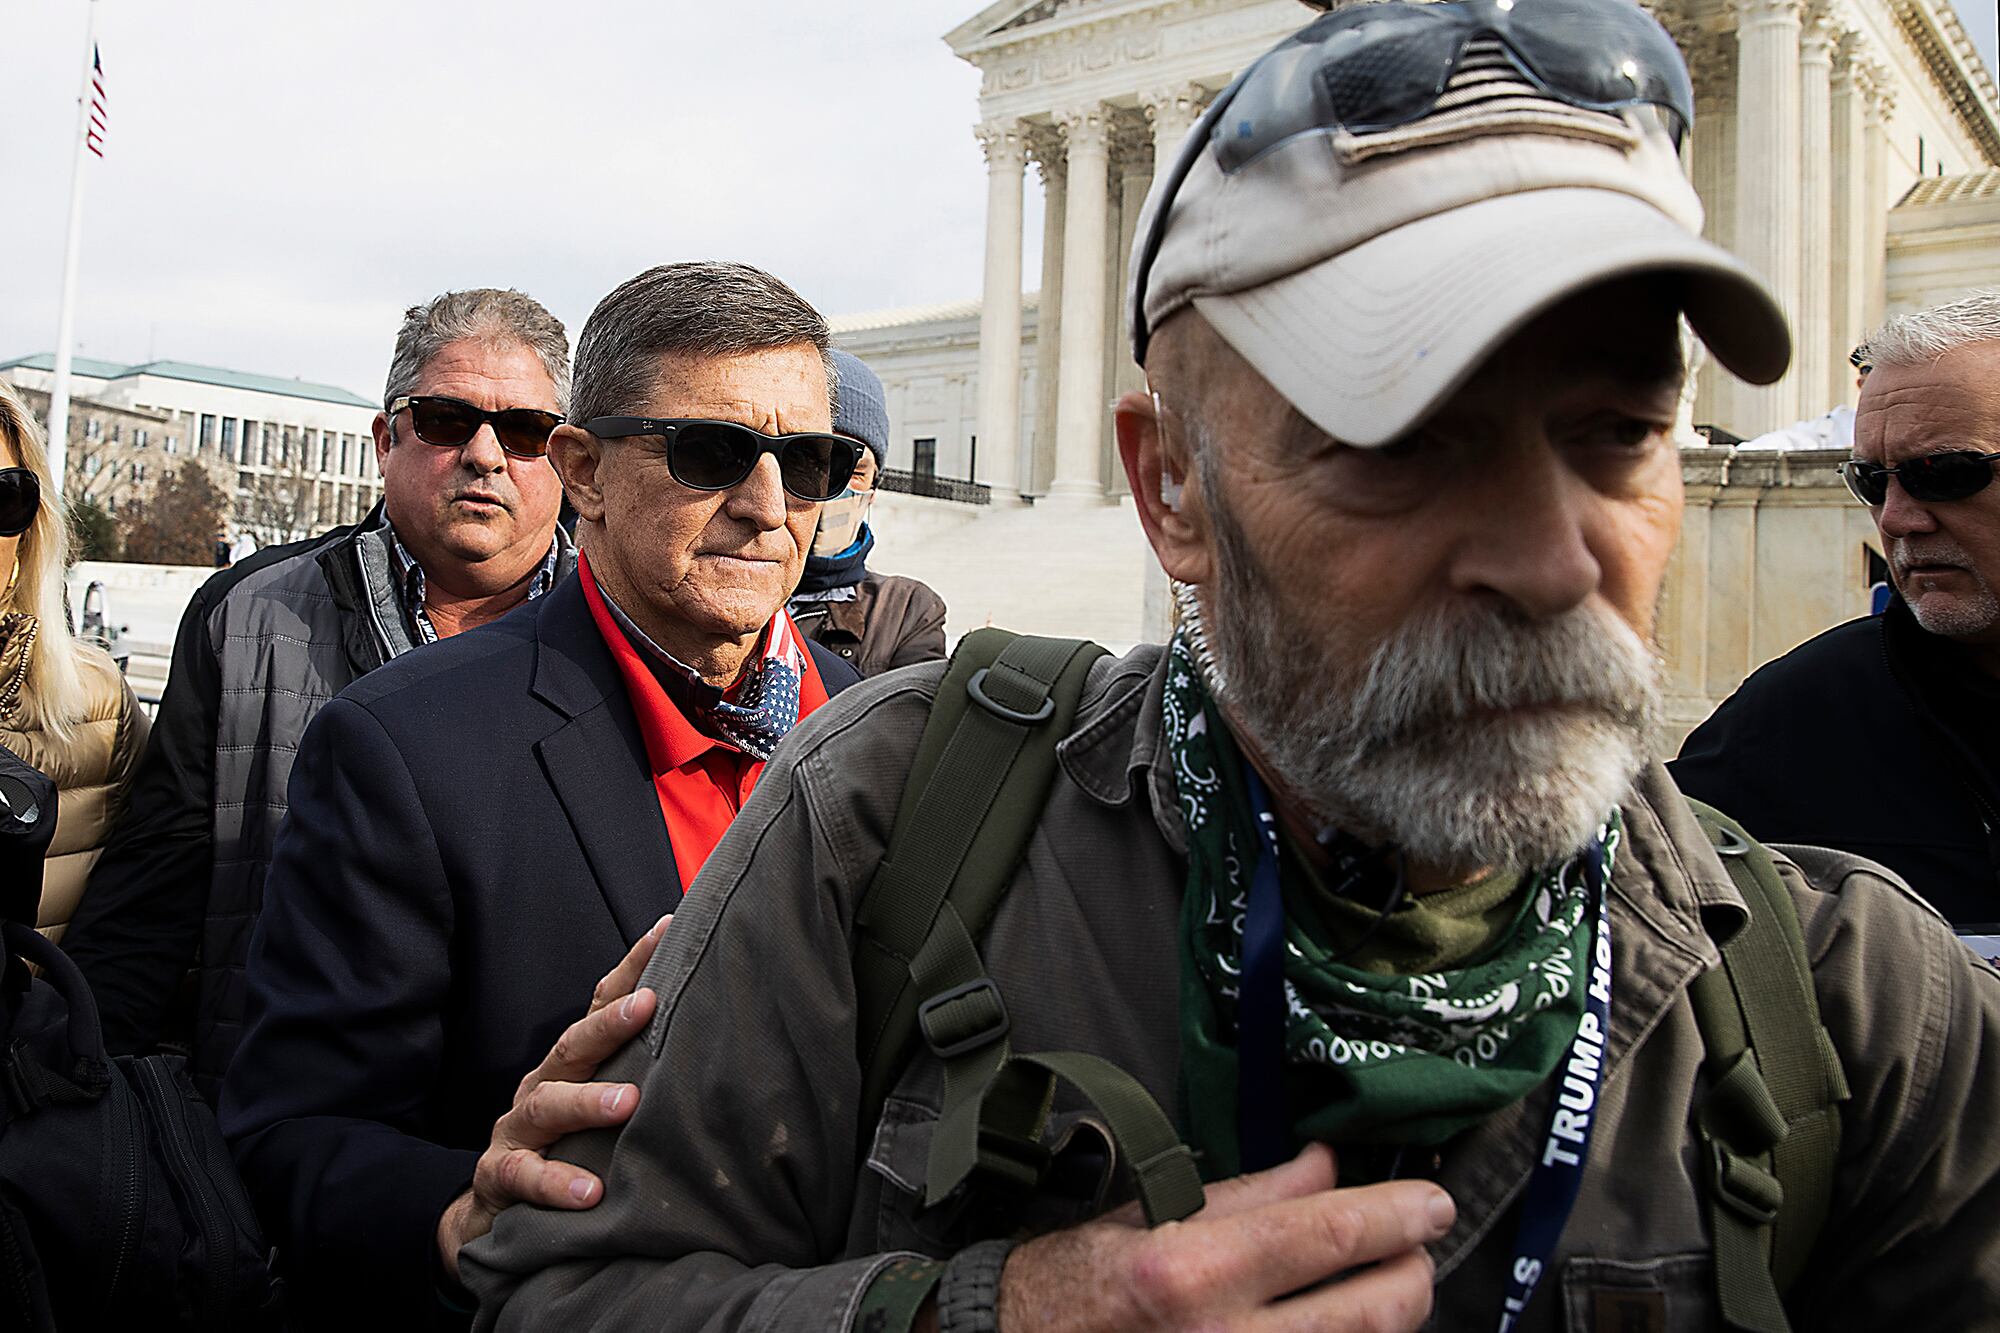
[282,180]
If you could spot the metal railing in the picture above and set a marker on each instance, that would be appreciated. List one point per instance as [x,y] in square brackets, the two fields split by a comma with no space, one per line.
[937,488]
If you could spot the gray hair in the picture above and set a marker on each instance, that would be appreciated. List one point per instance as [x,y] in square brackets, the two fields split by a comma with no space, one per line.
[701,309]
[1921,338]
[484,314]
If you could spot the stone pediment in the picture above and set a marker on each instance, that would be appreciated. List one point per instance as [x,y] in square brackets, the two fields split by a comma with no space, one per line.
[1010,16]
[1035,13]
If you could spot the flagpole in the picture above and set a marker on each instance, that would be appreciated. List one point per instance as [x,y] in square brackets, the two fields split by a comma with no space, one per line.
[66,321]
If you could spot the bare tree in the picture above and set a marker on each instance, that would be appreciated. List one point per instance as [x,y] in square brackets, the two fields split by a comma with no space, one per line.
[280,502]
[177,524]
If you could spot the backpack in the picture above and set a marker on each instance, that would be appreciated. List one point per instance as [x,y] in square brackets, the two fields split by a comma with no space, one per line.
[1768,1122]
[119,1206]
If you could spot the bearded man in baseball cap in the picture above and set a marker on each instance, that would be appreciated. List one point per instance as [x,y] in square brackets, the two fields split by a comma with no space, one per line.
[1370,863]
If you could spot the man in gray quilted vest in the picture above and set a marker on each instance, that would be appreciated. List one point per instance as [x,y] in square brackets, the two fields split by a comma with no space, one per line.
[1370,865]
[466,531]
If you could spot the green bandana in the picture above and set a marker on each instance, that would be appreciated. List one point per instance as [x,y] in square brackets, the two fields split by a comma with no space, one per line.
[1370,1058]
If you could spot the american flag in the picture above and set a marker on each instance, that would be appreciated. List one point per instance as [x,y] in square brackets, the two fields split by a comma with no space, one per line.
[93,133]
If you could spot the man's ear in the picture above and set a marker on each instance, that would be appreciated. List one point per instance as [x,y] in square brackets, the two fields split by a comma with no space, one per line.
[384,430]
[575,454]
[1166,494]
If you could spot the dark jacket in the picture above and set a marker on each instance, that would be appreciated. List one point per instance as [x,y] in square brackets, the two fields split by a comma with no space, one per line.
[473,841]
[743,1194]
[892,622]
[275,637]
[1838,743]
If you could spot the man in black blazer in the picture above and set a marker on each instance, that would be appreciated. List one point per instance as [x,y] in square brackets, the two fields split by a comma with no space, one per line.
[478,831]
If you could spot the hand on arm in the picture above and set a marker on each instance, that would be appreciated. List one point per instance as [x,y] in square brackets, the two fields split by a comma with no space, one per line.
[555,1099]
[1282,1249]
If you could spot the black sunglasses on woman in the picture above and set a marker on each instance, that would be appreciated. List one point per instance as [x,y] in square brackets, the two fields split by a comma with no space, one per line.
[20,498]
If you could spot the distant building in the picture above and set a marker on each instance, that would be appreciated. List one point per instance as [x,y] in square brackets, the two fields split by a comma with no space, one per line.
[116,454]
[293,456]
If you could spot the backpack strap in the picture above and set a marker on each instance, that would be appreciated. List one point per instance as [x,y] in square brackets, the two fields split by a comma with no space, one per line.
[975,793]
[1770,1121]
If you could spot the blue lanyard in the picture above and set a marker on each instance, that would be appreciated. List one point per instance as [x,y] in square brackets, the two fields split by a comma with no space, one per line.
[1263,1119]
[1558,1175]
[1263,1113]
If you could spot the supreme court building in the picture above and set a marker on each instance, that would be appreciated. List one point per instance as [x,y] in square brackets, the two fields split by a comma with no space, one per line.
[1813,122]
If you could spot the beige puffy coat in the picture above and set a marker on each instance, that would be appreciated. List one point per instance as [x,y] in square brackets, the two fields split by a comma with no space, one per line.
[92,771]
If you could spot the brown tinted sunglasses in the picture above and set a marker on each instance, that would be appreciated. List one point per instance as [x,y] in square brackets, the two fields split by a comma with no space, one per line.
[450,422]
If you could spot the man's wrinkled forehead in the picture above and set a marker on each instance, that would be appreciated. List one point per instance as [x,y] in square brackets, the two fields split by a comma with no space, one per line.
[1948,404]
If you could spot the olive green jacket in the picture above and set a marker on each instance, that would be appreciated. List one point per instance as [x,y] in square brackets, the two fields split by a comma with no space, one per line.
[743,1195]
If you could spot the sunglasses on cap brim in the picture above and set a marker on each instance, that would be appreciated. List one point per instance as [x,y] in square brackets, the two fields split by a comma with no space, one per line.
[705,455]
[452,422]
[1373,67]
[20,500]
[1933,478]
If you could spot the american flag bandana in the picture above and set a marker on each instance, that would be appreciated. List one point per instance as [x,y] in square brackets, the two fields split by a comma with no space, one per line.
[755,715]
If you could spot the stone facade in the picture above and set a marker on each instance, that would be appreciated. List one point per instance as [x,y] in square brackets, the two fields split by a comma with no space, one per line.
[1944,237]
[1773,550]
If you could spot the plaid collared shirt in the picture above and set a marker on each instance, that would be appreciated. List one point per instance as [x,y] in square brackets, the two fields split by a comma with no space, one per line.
[410,583]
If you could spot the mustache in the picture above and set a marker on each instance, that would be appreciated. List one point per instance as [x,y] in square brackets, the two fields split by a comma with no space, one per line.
[1926,549]
[1452,664]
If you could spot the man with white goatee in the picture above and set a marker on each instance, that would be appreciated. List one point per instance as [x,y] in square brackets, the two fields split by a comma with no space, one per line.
[1882,736]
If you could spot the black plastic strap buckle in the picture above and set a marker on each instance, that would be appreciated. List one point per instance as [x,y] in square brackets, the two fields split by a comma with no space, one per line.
[976,687]
[964,1018]
[1750,1191]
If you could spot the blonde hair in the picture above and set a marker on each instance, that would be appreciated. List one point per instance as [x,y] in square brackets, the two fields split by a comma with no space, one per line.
[55,699]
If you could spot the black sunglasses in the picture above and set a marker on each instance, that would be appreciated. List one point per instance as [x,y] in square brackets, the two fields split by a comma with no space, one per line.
[708,455]
[1933,478]
[450,422]
[20,498]
[1373,67]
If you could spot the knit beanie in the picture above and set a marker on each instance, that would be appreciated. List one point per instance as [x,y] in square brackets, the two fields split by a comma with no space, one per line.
[864,408]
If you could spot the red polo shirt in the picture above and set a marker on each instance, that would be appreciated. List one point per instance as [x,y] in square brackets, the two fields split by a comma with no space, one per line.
[701,781]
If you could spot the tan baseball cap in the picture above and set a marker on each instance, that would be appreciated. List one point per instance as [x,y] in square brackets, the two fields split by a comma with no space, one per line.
[1368,276]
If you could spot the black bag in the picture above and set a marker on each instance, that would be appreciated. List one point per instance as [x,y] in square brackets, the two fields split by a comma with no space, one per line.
[119,1206]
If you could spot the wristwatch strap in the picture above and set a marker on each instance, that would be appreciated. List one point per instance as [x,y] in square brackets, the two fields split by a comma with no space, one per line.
[969,1292]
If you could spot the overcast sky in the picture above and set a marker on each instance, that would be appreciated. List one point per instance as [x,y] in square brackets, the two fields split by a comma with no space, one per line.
[284,176]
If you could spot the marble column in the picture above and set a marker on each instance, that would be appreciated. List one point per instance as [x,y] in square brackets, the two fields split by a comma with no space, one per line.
[1080,387]
[1134,180]
[1813,333]
[1173,111]
[1768,182]
[1131,174]
[1045,147]
[999,462]
[1712,154]
[1875,207]
[1850,206]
